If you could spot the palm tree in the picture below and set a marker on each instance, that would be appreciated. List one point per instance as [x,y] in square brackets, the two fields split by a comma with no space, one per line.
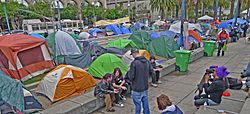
[162,6]
[232,9]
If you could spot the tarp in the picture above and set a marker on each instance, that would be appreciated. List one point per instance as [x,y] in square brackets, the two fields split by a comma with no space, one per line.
[163,47]
[81,60]
[114,28]
[159,23]
[127,58]
[122,43]
[195,35]
[125,30]
[239,21]
[94,31]
[141,39]
[37,35]
[62,43]
[23,56]
[93,49]
[154,35]
[65,81]
[108,22]
[190,39]
[139,25]
[225,25]
[206,17]
[168,33]
[106,63]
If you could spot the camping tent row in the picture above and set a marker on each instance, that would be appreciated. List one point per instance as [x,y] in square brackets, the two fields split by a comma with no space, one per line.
[228,24]
[23,56]
[97,32]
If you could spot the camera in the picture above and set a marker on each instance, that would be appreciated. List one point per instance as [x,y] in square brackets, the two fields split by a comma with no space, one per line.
[209,71]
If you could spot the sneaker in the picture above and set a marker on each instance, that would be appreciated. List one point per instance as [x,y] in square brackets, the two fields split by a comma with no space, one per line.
[119,104]
[123,98]
[154,85]
[159,82]
[110,110]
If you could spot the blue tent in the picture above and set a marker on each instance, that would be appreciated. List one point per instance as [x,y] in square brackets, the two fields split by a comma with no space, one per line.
[224,25]
[154,35]
[239,21]
[125,30]
[190,39]
[168,33]
[114,28]
[138,25]
[94,30]
[37,35]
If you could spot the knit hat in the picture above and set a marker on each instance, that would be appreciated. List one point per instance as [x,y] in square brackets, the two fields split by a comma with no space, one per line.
[213,66]
[222,72]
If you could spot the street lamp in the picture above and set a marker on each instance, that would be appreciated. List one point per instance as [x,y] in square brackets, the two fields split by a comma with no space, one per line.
[93,10]
[5,13]
[59,14]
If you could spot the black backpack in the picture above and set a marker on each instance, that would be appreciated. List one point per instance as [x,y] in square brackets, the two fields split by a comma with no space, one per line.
[233,83]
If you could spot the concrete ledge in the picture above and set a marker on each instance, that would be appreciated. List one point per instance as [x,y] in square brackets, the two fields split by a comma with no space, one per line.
[87,103]
[169,66]
[246,109]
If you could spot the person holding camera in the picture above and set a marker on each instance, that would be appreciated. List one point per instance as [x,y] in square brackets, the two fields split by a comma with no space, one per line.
[222,41]
[214,87]
[104,90]
[157,69]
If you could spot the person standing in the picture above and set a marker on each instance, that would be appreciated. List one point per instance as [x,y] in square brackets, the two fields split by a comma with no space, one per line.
[140,70]
[222,40]
[244,28]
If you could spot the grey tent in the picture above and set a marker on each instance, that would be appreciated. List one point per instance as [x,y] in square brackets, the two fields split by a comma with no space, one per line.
[80,60]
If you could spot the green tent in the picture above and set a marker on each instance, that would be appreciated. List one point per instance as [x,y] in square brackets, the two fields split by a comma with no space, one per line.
[122,43]
[141,39]
[163,46]
[50,40]
[106,63]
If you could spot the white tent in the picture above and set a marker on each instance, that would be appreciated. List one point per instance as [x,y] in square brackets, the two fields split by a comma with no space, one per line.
[205,17]
[84,35]
[244,12]
[177,27]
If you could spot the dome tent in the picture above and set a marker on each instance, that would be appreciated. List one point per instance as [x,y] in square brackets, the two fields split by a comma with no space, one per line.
[122,43]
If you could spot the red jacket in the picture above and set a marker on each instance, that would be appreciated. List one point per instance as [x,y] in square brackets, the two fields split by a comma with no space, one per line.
[224,35]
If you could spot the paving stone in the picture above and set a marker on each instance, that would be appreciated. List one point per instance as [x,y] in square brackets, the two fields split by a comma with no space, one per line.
[62,108]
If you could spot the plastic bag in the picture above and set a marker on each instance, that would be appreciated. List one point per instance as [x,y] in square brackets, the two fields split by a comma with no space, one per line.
[224,48]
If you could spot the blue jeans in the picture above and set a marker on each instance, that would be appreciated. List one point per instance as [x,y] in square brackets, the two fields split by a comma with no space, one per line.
[141,98]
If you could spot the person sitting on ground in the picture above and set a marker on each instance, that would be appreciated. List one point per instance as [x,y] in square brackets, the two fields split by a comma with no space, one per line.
[166,105]
[104,90]
[119,83]
[157,69]
[214,87]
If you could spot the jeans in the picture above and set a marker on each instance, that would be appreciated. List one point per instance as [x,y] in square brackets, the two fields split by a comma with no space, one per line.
[220,46]
[141,98]
[201,100]
[121,93]
[156,77]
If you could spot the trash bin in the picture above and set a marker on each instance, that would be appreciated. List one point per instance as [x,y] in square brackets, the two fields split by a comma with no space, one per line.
[209,47]
[182,60]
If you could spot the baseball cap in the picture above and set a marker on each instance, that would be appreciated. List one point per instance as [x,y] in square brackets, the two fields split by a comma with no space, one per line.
[134,50]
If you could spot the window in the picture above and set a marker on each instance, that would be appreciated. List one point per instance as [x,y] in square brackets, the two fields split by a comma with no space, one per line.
[30,56]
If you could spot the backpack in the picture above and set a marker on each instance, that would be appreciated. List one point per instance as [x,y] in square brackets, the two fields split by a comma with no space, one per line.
[233,83]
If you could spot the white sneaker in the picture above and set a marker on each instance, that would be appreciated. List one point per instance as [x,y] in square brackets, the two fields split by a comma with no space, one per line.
[159,82]
[154,85]
[119,105]
[123,98]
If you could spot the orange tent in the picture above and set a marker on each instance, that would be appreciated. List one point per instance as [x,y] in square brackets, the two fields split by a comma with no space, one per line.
[23,56]
[195,35]
[65,81]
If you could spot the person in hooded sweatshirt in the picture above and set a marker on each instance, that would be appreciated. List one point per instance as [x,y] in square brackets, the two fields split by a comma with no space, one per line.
[140,70]
[166,105]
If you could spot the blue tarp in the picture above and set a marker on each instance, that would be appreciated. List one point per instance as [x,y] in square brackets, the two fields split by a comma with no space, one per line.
[154,35]
[168,33]
[224,25]
[125,30]
[94,30]
[239,21]
[114,28]
[190,39]
[37,35]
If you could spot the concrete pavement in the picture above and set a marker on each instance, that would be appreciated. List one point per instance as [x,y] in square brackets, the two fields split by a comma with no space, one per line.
[180,87]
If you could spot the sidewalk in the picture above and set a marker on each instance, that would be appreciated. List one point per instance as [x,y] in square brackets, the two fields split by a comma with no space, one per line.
[180,88]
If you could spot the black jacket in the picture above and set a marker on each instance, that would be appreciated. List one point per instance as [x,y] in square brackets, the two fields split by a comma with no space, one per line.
[140,70]
[215,89]
[103,88]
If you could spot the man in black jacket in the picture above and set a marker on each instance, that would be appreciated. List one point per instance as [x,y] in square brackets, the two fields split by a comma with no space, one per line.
[140,70]
[214,88]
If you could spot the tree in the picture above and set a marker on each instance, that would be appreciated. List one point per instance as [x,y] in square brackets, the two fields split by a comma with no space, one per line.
[41,8]
[162,6]
[231,9]
[70,12]
[223,4]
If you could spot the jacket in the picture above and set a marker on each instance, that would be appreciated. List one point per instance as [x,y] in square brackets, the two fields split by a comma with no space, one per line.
[103,88]
[140,70]
[173,109]
[215,89]
[223,35]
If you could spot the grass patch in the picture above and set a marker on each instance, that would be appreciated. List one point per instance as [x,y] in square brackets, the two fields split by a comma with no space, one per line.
[34,79]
